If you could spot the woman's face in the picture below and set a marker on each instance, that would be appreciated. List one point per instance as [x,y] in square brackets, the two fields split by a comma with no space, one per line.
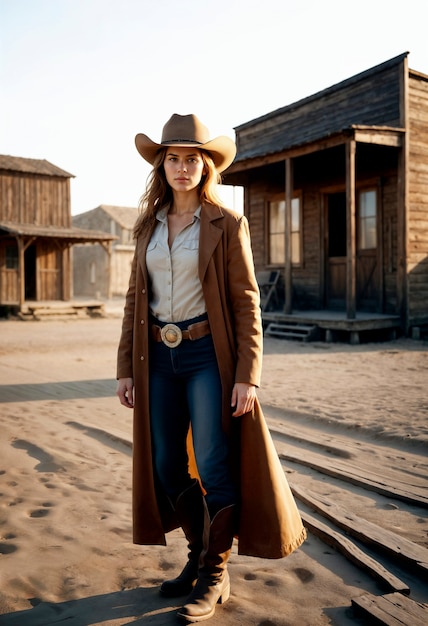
[183,167]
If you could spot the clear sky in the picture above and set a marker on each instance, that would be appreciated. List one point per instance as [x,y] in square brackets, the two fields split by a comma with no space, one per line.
[79,78]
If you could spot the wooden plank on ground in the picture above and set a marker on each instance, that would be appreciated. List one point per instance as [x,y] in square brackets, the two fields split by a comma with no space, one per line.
[356,476]
[353,553]
[410,554]
[393,609]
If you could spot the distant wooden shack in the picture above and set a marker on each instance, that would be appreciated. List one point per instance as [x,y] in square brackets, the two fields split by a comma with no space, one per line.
[336,193]
[95,274]
[36,232]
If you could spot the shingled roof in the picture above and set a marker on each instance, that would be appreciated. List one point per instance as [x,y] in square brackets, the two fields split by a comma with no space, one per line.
[32,166]
[371,99]
[124,215]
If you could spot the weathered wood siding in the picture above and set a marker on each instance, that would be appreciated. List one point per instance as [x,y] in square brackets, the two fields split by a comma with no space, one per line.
[371,98]
[418,200]
[315,176]
[307,279]
[9,285]
[256,194]
[388,206]
[91,271]
[49,271]
[391,102]
[96,274]
[35,199]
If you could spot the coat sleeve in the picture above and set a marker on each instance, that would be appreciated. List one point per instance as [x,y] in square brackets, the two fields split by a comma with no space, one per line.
[125,350]
[245,305]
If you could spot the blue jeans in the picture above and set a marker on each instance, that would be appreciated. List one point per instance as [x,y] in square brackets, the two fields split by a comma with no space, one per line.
[185,387]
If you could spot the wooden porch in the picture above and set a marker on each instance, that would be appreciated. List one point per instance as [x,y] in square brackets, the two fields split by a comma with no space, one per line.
[330,326]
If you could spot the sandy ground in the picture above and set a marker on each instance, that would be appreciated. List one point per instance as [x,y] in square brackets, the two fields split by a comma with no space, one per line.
[65,477]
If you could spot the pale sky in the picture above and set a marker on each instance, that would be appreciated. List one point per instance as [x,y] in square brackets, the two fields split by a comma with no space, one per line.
[80,78]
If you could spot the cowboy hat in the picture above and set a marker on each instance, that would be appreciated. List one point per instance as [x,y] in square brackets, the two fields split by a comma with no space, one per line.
[185,131]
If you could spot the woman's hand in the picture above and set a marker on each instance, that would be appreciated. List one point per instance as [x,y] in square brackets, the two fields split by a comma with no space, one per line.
[125,392]
[243,396]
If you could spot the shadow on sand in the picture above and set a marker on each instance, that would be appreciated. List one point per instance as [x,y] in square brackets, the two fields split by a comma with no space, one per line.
[69,390]
[142,606]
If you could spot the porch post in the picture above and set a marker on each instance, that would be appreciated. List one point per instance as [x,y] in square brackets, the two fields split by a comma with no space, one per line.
[287,236]
[351,265]
[21,272]
[66,272]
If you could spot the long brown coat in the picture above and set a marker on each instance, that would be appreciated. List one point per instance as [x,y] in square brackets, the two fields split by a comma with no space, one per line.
[270,525]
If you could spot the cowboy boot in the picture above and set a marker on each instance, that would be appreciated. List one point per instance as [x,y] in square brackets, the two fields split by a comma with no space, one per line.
[213,584]
[189,509]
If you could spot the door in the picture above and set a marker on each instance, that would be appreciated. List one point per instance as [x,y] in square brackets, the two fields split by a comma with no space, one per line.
[49,271]
[368,256]
[336,251]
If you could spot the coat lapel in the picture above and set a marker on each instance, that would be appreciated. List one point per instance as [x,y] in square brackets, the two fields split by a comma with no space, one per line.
[142,244]
[209,237]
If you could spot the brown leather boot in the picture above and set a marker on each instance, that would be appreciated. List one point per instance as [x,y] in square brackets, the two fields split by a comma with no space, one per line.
[190,510]
[213,584]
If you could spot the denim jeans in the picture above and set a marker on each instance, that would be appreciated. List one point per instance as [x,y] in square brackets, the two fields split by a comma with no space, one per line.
[185,388]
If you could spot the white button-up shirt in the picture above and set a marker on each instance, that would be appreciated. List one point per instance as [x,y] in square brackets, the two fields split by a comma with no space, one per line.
[176,293]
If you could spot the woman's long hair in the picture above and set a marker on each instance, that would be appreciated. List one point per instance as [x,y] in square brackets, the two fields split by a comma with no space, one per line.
[159,194]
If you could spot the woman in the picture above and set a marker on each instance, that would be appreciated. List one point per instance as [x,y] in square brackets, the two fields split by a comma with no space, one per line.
[189,362]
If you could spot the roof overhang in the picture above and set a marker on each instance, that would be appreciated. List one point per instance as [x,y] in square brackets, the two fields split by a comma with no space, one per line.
[376,135]
[70,235]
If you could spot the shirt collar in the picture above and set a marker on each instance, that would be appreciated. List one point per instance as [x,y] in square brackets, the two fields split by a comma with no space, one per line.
[163,212]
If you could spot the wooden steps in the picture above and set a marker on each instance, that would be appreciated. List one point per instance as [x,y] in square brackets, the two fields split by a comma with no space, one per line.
[61,310]
[292,330]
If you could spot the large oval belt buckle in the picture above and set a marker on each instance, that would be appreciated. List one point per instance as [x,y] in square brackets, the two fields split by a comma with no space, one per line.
[171,335]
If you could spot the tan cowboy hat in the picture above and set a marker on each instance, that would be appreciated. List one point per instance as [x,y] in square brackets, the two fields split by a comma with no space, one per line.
[187,131]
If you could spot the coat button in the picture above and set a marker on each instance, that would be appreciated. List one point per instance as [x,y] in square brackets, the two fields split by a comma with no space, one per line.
[143,291]
[142,322]
[141,358]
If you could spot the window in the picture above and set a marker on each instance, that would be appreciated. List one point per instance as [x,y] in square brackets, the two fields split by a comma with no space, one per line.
[295,231]
[367,232]
[276,232]
[11,257]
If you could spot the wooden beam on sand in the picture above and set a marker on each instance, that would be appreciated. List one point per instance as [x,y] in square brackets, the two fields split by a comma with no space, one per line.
[354,554]
[393,609]
[356,476]
[408,553]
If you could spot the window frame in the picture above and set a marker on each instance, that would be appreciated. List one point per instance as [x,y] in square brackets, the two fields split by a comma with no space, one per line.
[276,198]
[8,257]
[368,189]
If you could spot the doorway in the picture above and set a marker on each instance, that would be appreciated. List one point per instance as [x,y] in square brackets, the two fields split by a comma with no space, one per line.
[368,256]
[30,256]
[336,250]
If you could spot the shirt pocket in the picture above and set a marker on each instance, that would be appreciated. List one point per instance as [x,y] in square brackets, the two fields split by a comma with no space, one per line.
[156,257]
[191,245]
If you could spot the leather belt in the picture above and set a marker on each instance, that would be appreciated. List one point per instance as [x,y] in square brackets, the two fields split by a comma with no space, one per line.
[172,335]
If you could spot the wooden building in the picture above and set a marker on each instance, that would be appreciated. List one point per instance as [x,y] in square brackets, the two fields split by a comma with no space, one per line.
[95,274]
[36,233]
[336,193]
